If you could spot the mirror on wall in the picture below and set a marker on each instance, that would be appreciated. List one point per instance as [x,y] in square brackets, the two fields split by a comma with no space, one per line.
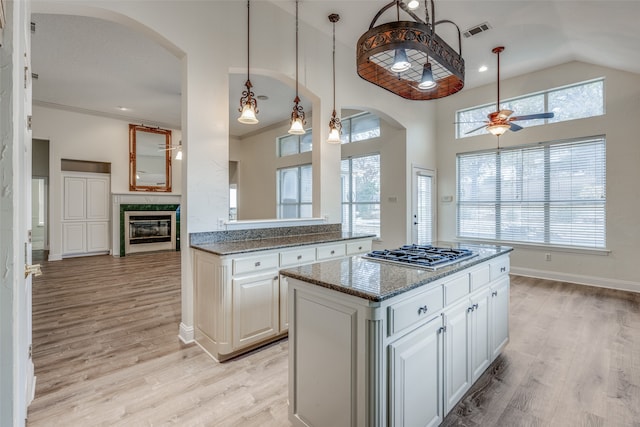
[149,159]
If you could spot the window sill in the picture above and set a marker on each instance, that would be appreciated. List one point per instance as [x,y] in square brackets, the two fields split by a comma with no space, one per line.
[551,248]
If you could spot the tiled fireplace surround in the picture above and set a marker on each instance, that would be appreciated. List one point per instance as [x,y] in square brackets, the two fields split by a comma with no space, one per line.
[128,202]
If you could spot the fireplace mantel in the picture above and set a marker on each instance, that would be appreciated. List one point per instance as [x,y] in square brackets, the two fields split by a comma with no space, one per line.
[142,202]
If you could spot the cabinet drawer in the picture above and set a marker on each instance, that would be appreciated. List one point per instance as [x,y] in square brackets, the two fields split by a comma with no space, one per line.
[330,251]
[499,267]
[419,307]
[456,289]
[358,247]
[255,263]
[297,257]
[480,277]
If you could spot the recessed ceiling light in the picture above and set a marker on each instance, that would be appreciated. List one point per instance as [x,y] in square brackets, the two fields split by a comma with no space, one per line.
[413,4]
[121,108]
[483,68]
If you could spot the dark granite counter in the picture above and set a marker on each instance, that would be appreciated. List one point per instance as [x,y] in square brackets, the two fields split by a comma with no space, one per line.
[378,281]
[231,247]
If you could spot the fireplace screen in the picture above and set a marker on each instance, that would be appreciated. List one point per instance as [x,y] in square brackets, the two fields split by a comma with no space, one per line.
[149,229]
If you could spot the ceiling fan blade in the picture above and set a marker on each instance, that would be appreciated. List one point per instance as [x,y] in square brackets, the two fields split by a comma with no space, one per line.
[533,116]
[514,127]
[475,130]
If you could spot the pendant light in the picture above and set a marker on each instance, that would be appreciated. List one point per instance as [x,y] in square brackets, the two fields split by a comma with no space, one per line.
[248,104]
[297,115]
[335,126]
[427,82]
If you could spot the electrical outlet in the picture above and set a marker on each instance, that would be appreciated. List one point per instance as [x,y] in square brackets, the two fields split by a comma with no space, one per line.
[547,257]
[220,223]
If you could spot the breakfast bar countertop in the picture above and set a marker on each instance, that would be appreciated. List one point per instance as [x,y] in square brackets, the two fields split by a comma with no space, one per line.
[233,247]
[378,280]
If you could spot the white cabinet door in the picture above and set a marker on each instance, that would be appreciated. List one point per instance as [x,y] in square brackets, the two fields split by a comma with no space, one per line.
[97,236]
[457,352]
[98,198]
[255,308]
[499,315]
[74,238]
[415,362]
[480,345]
[75,199]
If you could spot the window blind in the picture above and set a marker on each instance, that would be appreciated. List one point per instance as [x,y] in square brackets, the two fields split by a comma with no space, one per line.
[553,194]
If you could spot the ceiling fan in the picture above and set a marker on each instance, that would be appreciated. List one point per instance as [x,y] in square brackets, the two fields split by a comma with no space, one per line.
[501,121]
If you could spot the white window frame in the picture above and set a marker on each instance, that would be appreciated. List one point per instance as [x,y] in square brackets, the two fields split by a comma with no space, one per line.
[350,203]
[599,200]
[299,203]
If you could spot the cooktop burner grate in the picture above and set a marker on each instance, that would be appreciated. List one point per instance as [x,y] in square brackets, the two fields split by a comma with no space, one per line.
[422,256]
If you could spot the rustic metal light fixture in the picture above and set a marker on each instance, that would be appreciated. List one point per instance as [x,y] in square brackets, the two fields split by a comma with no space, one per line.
[380,49]
[297,115]
[248,104]
[335,126]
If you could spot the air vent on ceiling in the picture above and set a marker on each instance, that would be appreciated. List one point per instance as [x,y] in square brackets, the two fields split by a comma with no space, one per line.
[34,76]
[33,27]
[477,29]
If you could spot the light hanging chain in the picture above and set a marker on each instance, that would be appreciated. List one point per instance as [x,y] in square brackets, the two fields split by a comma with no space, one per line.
[248,103]
[335,126]
[297,115]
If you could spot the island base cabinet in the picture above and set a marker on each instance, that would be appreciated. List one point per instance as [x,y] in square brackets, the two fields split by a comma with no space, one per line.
[499,316]
[416,377]
[480,327]
[457,342]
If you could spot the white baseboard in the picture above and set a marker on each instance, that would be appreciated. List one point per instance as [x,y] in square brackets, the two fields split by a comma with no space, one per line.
[186,334]
[601,282]
[55,257]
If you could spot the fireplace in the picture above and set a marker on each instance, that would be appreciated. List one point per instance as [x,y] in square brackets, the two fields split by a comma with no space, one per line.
[149,231]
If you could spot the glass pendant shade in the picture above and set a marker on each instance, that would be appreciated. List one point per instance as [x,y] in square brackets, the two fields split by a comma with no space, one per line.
[498,129]
[334,136]
[248,115]
[427,81]
[296,127]
[179,155]
[400,61]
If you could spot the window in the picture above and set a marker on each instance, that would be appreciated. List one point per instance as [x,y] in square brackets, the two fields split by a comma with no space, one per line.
[294,144]
[360,128]
[360,178]
[549,194]
[295,192]
[577,101]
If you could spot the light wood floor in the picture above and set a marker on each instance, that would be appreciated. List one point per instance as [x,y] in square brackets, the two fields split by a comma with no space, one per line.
[106,353]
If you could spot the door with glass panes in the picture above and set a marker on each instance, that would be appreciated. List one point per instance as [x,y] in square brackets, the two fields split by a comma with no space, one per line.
[424,211]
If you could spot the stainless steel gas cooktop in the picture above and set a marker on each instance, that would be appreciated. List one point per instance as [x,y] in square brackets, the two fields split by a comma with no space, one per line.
[421,256]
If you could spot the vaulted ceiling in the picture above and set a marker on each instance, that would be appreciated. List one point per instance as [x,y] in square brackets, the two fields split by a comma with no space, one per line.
[86,64]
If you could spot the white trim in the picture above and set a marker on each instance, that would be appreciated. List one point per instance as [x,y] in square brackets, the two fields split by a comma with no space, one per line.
[186,333]
[601,282]
[270,223]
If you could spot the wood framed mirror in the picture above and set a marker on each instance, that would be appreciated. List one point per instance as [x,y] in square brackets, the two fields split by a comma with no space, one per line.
[149,159]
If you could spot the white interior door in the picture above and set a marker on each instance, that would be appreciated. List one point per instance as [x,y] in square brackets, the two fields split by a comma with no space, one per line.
[423,228]
[17,383]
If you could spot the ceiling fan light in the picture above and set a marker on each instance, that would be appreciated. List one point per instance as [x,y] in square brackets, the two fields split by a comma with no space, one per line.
[498,129]
[248,115]
[427,81]
[400,61]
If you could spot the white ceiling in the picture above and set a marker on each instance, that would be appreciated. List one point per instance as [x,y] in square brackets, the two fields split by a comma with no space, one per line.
[86,64]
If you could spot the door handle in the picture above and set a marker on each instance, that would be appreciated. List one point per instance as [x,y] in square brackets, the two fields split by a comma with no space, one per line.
[32,269]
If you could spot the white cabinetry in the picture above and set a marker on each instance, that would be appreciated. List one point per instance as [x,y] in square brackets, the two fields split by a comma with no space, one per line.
[415,377]
[241,300]
[413,356]
[85,219]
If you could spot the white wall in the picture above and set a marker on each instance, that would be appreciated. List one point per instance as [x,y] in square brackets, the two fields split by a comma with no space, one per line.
[86,137]
[619,268]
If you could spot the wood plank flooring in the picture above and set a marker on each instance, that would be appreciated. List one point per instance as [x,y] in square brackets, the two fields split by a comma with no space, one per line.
[106,353]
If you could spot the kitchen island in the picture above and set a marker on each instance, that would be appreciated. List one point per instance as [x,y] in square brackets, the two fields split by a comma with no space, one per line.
[379,344]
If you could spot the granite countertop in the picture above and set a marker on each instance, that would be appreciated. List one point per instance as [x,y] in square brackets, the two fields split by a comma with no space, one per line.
[232,247]
[377,281]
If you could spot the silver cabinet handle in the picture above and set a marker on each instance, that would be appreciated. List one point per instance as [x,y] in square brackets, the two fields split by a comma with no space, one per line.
[494,293]
[257,264]
[422,310]
[275,277]
[503,269]
[470,309]
[475,306]
[299,257]
[333,252]
[359,248]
